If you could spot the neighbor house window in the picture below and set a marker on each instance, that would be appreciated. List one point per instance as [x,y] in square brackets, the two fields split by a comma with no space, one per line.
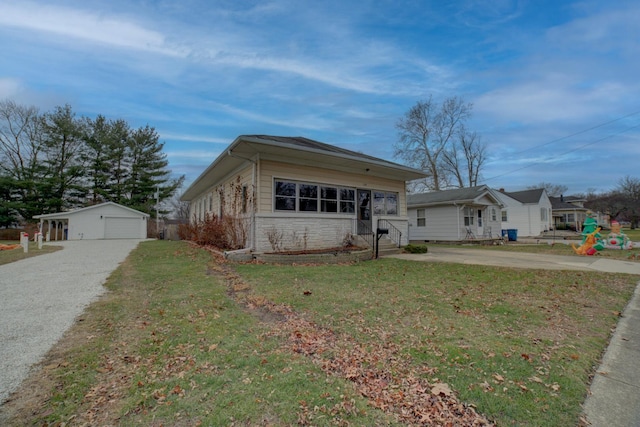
[385,203]
[308,197]
[468,216]
[504,216]
[421,218]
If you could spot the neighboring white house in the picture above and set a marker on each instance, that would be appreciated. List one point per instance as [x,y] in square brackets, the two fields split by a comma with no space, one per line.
[529,211]
[104,221]
[293,193]
[454,215]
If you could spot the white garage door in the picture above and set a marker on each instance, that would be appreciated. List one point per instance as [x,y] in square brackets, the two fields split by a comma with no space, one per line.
[123,228]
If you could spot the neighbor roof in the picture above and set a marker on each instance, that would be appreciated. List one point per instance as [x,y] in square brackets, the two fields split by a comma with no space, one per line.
[557,203]
[527,196]
[296,150]
[458,195]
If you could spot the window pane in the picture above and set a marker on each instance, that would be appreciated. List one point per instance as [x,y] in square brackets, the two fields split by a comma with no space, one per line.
[309,205]
[285,203]
[347,194]
[285,188]
[329,193]
[329,206]
[392,204]
[347,207]
[307,190]
[378,203]
[421,222]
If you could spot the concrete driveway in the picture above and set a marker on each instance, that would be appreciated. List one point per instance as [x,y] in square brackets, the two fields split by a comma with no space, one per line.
[41,296]
[500,258]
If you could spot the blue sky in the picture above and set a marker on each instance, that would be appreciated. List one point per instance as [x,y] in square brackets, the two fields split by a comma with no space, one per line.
[554,84]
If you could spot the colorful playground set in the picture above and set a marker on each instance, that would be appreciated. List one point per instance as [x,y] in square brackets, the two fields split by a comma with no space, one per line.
[593,242]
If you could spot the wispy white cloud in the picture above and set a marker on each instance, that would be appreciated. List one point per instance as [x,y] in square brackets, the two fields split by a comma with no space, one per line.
[85,25]
[207,155]
[193,138]
[9,87]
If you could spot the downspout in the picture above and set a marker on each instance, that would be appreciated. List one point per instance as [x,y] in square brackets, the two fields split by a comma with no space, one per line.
[458,217]
[254,204]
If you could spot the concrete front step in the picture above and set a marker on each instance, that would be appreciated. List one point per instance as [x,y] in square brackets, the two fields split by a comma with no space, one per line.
[388,247]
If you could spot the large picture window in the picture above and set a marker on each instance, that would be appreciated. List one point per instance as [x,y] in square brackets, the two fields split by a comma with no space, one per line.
[385,203]
[309,197]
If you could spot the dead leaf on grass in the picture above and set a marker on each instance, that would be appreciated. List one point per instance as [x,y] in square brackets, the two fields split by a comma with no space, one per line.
[441,388]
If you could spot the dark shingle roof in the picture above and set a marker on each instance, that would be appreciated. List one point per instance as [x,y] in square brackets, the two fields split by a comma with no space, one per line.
[457,195]
[526,196]
[558,204]
[301,142]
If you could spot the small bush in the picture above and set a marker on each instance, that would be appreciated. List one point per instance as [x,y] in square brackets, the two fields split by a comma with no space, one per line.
[416,249]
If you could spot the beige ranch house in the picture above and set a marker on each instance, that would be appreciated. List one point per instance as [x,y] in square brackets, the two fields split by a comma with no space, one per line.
[294,193]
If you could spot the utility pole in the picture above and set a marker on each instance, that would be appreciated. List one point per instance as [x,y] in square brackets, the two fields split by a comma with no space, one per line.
[157,196]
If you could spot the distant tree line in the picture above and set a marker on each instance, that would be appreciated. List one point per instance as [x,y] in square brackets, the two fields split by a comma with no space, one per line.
[622,203]
[54,161]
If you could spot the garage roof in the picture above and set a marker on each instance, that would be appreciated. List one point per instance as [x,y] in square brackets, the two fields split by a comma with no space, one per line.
[67,214]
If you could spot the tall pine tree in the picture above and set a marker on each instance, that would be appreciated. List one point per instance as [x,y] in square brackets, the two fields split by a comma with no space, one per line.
[148,171]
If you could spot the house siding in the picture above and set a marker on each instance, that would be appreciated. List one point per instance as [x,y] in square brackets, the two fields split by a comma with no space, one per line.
[290,231]
[270,170]
[208,202]
[526,218]
[446,223]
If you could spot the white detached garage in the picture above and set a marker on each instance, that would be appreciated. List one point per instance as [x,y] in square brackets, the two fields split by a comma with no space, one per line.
[104,221]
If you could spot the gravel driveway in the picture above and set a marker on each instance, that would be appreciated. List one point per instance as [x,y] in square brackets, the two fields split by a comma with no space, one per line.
[41,296]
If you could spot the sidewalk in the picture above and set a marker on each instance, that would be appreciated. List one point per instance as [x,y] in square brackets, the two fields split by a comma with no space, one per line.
[614,397]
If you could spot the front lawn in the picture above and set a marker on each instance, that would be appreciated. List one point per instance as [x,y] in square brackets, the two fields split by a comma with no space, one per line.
[182,339]
[12,255]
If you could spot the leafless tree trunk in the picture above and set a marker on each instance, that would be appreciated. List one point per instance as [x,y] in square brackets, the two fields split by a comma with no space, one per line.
[426,133]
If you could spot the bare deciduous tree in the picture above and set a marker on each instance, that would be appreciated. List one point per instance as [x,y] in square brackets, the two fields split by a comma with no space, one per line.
[465,159]
[433,138]
[553,190]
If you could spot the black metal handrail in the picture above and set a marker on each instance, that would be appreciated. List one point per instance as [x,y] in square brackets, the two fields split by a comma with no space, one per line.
[394,234]
[362,229]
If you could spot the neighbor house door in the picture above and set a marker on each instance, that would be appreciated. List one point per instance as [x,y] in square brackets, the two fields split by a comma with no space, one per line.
[364,211]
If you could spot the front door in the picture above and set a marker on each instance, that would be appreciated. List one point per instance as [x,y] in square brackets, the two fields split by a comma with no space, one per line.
[480,231]
[364,211]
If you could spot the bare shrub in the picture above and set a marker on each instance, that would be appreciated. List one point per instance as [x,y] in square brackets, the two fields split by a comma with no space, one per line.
[275,238]
[230,230]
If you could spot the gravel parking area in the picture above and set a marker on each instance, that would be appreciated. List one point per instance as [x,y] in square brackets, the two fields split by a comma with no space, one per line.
[41,296]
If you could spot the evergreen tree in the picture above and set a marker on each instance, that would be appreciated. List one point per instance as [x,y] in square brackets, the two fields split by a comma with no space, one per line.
[148,171]
[63,148]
